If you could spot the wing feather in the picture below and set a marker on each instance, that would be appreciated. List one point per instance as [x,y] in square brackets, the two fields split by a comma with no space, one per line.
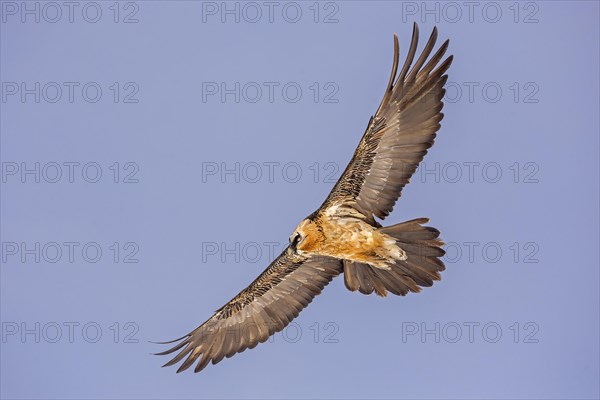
[399,135]
[265,307]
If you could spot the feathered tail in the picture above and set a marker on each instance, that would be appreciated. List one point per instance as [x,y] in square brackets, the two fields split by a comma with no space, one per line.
[421,268]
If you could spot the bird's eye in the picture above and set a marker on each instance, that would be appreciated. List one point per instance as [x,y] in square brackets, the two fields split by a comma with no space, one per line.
[297,238]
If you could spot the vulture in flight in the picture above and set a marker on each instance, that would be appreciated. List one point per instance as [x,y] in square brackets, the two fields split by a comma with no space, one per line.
[342,236]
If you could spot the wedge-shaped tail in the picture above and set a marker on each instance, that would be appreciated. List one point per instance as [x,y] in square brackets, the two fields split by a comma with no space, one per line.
[421,268]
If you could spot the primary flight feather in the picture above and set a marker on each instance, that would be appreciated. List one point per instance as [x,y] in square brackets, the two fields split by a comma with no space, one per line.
[342,236]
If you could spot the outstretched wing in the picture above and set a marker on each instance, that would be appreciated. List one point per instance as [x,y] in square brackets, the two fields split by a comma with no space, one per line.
[265,307]
[398,136]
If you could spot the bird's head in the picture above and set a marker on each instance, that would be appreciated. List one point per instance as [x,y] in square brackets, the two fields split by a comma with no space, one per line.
[306,237]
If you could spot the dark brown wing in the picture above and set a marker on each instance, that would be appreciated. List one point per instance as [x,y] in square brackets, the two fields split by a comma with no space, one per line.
[265,307]
[398,136]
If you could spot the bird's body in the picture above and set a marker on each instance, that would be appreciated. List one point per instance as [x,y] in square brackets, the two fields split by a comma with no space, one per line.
[339,231]
[342,236]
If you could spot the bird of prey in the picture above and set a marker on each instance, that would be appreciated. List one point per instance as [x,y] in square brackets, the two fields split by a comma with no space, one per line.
[343,236]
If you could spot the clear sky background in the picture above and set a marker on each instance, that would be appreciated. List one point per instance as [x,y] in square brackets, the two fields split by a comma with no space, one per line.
[201,178]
